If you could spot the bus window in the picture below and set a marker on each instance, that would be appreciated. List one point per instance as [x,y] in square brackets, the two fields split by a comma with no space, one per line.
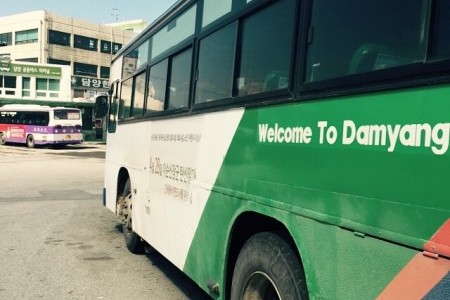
[176,31]
[440,46]
[67,114]
[35,118]
[179,80]
[138,95]
[157,87]
[112,113]
[364,36]
[266,49]
[213,10]
[125,99]
[215,65]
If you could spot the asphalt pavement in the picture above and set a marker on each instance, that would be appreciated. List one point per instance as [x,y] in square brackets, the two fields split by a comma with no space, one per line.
[59,242]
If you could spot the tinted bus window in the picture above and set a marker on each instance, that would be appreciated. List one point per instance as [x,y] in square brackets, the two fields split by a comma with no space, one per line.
[213,10]
[440,47]
[157,86]
[67,115]
[176,31]
[216,65]
[266,49]
[179,80]
[138,96]
[125,99]
[352,36]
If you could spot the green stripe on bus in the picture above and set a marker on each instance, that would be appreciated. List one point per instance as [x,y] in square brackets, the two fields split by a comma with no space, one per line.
[339,172]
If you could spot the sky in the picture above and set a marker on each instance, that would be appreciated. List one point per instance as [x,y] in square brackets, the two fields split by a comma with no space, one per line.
[97,11]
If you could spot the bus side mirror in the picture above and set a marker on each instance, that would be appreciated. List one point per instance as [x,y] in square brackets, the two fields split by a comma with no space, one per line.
[101,106]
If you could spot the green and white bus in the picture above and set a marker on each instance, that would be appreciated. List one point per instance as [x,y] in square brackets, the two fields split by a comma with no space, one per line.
[288,149]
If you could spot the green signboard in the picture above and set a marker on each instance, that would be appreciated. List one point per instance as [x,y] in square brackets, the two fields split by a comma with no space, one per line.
[89,82]
[30,70]
[35,70]
[5,66]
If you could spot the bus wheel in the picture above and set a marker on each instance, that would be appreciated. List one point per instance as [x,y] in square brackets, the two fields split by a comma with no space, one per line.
[30,141]
[124,207]
[2,138]
[267,268]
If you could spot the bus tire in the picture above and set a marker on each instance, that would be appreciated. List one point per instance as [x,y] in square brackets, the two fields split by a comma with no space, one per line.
[267,268]
[125,205]
[2,138]
[30,141]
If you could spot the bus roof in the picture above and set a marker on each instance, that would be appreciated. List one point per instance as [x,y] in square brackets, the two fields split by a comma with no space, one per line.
[31,107]
[154,26]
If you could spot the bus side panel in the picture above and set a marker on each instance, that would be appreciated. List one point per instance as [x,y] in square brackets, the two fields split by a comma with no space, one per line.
[359,267]
[123,154]
[14,133]
[182,161]
[342,170]
[42,135]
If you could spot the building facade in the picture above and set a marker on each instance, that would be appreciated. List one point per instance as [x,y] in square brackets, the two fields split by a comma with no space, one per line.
[55,60]
[46,38]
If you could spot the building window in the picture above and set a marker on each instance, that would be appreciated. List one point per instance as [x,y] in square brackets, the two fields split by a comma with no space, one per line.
[8,85]
[84,42]
[58,62]
[116,47]
[85,69]
[77,93]
[5,39]
[27,36]
[26,86]
[53,87]
[48,88]
[58,38]
[104,72]
[31,59]
[105,46]
[108,47]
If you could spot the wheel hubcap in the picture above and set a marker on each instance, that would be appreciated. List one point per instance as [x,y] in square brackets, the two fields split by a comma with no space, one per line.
[260,287]
[126,219]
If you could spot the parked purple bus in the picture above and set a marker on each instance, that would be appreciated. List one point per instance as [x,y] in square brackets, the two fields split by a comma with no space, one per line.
[40,125]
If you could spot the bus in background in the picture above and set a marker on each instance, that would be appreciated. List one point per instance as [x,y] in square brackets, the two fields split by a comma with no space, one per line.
[40,125]
[288,149]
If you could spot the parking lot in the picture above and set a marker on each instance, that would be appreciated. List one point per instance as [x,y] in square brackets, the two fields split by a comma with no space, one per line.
[59,242]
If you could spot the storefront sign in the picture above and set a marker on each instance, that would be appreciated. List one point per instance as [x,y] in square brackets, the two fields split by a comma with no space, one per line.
[89,82]
[34,70]
[5,66]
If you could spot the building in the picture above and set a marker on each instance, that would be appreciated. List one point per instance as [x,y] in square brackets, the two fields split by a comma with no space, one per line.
[55,60]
